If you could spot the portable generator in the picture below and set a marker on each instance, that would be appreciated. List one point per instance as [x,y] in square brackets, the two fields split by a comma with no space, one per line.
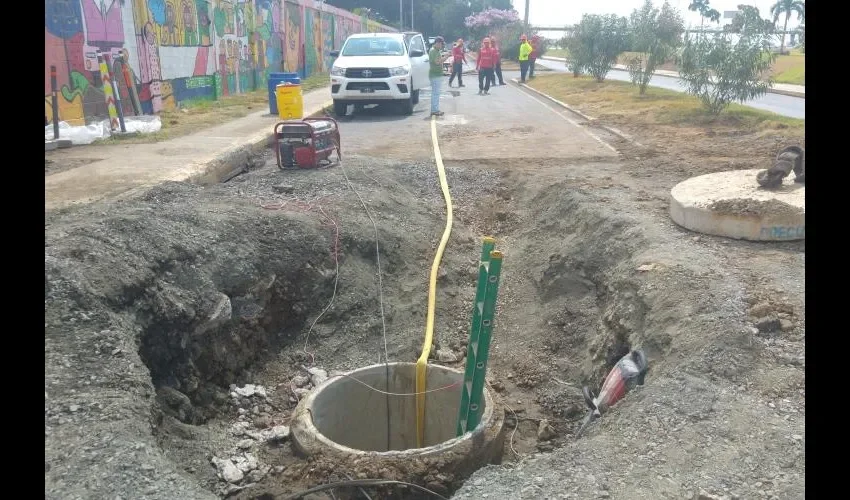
[307,143]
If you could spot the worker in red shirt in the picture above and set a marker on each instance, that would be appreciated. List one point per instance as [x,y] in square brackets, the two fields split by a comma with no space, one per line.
[485,64]
[532,58]
[497,69]
[458,60]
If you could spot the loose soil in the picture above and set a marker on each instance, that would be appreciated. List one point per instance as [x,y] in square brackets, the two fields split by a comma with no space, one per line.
[159,308]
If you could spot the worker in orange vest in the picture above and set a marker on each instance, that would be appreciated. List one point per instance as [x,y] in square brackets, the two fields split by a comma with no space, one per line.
[497,69]
[459,58]
[535,52]
[485,64]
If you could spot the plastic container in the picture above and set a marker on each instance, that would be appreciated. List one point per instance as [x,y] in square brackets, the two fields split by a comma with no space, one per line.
[276,79]
[290,101]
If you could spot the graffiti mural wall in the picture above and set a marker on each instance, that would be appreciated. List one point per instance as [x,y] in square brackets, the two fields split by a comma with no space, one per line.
[166,53]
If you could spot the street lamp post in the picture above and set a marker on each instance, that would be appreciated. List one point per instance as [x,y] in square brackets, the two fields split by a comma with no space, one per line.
[526,15]
[401,15]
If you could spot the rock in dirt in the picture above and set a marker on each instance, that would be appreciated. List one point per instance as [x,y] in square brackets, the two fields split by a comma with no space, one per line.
[283,188]
[786,325]
[760,310]
[300,381]
[276,434]
[446,356]
[239,428]
[498,386]
[245,463]
[245,444]
[545,432]
[704,495]
[301,393]
[317,375]
[262,422]
[227,470]
[768,324]
[251,390]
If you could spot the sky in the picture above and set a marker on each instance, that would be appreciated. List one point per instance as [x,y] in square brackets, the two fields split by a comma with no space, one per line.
[564,12]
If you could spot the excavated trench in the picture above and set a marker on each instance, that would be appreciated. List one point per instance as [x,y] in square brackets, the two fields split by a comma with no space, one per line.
[223,298]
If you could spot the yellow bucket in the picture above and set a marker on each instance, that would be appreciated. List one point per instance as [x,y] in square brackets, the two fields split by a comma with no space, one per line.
[290,101]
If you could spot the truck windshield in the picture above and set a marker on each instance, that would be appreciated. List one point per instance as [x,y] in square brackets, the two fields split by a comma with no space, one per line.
[373,47]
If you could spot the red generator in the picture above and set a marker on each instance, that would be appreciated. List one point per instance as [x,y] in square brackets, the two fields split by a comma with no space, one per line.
[307,143]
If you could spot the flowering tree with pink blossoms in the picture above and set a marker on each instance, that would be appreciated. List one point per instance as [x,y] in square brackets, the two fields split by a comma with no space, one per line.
[505,25]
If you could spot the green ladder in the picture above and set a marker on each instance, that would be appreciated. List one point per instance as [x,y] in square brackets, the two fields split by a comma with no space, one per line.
[480,334]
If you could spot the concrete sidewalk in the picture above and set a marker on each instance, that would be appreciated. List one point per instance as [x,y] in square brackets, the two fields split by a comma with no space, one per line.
[778,88]
[208,156]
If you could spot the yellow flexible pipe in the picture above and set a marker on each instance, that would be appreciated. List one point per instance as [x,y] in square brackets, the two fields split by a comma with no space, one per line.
[422,362]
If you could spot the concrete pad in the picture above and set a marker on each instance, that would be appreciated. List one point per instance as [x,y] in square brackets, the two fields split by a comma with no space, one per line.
[50,145]
[732,204]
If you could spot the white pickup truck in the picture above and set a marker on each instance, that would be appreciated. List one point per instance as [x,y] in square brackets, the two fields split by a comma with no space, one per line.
[379,68]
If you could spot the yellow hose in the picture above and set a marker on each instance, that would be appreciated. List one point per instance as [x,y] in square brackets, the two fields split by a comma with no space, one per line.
[422,362]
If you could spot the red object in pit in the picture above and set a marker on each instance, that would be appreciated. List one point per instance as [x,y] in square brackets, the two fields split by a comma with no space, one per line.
[307,143]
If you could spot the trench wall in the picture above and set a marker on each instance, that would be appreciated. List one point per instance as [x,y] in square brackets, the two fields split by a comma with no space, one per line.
[177,51]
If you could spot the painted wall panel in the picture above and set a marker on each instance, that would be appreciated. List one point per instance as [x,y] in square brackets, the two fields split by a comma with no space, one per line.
[176,51]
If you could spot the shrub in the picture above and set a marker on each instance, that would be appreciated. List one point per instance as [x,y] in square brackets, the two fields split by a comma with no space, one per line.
[656,35]
[596,42]
[728,67]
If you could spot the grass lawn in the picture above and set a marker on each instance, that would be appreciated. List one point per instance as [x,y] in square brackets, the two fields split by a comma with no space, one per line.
[790,69]
[199,115]
[657,106]
[556,53]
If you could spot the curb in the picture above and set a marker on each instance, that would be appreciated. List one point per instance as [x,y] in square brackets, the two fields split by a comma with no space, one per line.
[671,74]
[589,119]
[239,159]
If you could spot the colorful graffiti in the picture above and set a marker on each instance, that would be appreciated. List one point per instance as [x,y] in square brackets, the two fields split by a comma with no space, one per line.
[164,53]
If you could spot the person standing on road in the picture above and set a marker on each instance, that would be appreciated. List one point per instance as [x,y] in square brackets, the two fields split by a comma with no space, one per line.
[435,56]
[458,60]
[524,52]
[535,52]
[485,64]
[497,69]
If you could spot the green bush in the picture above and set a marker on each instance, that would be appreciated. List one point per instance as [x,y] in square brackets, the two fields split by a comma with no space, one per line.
[596,42]
[727,67]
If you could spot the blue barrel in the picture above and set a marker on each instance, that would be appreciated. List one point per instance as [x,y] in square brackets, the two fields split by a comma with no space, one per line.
[274,80]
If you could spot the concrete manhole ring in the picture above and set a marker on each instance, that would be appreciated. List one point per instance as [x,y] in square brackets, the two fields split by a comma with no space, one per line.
[343,419]
[732,204]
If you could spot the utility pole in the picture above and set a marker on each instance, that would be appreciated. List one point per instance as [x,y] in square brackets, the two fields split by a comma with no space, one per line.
[526,15]
[411,15]
[401,15]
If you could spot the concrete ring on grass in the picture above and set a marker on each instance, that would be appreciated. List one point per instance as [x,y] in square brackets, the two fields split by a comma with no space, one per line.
[344,420]
[732,204]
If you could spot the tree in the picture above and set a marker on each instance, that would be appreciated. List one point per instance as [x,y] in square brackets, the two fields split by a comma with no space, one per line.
[656,35]
[728,66]
[705,11]
[575,57]
[787,7]
[599,41]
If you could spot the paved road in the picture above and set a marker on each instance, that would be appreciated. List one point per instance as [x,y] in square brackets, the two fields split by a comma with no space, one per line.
[475,128]
[794,107]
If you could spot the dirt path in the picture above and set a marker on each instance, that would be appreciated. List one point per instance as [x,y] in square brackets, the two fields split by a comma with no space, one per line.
[192,290]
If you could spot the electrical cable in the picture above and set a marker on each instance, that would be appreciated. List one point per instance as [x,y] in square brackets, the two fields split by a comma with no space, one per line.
[380,294]
[362,482]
